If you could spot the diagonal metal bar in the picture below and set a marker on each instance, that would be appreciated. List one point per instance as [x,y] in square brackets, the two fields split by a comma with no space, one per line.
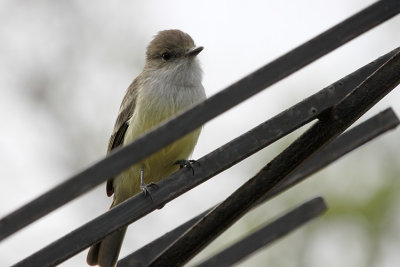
[269,233]
[170,131]
[342,115]
[212,164]
[345,143]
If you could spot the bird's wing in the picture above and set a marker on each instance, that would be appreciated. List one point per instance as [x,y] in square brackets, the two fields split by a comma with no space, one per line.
[121,125]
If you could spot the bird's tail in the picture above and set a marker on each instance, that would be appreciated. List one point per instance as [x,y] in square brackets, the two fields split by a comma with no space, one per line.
[105,253]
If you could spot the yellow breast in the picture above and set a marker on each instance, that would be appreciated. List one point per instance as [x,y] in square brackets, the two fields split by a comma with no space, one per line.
[148,115]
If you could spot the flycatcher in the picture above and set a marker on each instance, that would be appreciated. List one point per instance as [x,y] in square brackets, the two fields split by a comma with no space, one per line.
[169,84]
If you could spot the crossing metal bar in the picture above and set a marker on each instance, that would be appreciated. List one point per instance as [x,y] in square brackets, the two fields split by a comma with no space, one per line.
[348,141]
[269,233]
[340,117]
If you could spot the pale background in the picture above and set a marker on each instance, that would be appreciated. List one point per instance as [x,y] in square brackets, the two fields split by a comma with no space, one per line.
[64,68]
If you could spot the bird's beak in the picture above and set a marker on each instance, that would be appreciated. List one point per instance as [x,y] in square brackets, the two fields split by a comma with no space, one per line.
[192,52]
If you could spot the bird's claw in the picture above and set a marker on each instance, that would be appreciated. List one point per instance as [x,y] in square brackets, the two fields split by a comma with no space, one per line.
[146,189]
[184,163]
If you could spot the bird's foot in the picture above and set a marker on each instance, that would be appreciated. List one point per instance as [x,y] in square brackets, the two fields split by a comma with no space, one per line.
[146,188]
[184,163]
[146,191]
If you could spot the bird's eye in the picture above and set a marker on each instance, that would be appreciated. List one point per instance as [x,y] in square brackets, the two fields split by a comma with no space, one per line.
[166,56]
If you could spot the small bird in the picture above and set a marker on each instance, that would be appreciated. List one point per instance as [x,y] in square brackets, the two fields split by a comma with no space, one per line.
[169,84]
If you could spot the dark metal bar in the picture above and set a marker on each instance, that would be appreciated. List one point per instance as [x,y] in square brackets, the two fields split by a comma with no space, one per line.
[211,164]
[345,143]
[269,233]
[342,115]
[170,131]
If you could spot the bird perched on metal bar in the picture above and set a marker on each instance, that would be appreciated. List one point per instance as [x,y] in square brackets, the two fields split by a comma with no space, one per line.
[169,84]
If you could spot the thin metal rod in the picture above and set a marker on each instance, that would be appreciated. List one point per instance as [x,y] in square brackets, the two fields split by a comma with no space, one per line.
[175,128]
[342,115]
[348,141]
[268,234]
[211,164]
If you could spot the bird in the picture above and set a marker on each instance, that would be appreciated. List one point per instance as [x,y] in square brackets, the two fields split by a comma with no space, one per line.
[170,83]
